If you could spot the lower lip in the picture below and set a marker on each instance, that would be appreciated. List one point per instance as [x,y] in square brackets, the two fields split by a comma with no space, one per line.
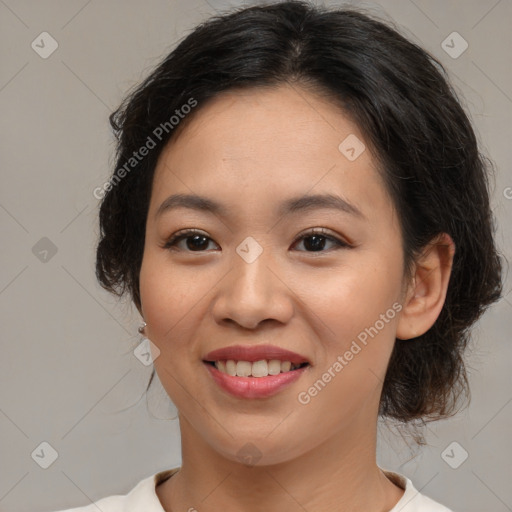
[254,387]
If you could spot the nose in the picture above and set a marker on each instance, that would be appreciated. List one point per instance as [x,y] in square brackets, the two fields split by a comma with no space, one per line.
[252,293]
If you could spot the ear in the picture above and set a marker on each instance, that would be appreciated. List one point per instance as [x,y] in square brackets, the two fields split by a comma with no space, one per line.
[425,295]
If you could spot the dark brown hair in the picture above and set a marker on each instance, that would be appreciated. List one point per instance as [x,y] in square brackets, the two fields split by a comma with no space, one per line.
[399,96]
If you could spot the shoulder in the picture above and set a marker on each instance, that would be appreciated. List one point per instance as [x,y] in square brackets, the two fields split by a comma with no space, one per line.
[109,504]
[412,500]
[142,497]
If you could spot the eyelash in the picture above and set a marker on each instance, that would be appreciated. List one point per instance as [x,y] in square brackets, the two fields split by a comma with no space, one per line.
[181,235]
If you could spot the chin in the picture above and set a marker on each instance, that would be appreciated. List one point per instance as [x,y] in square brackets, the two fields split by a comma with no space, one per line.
[258,451]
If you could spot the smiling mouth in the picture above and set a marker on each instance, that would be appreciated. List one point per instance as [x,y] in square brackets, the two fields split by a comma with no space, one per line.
[257,369]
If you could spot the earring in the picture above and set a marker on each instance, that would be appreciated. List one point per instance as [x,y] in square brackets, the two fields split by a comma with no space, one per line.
[142,327]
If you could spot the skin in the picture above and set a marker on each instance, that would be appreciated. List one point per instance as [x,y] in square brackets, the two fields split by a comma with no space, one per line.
[250,150]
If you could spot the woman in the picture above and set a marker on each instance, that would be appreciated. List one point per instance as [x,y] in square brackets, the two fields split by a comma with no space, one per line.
[300,213]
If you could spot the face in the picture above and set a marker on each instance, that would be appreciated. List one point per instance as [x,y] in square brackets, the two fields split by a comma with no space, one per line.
[323,280]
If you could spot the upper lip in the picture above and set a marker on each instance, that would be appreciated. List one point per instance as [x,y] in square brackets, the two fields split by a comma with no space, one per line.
[254,353]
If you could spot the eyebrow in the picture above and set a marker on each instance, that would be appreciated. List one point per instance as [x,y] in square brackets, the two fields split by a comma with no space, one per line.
[290,206]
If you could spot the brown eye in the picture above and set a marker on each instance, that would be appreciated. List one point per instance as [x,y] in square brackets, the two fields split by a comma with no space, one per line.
[195,241]
[315,240]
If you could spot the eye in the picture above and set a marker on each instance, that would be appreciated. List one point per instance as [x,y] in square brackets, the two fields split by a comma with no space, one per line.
[197,240]
[317,238]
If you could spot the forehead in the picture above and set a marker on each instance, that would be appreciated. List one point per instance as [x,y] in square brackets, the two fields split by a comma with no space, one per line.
[262,144]
[286,119]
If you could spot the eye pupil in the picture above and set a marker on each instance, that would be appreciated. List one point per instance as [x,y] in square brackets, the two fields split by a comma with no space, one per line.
[197,242]
[317,244]
[194,246]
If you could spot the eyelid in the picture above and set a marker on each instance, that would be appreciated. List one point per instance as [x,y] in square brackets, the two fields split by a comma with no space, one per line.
[340,242]
[182,234]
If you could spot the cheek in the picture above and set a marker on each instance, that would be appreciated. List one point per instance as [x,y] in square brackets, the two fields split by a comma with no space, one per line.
[357,337]
[168,296]
[358,311]
[354,296]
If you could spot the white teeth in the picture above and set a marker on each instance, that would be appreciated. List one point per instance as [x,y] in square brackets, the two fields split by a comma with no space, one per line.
[285,366]
[274,367]
[243,368]
[261,368]
[230,367]
[258,368]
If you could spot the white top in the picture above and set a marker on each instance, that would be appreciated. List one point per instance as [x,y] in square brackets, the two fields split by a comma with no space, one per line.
[143,497]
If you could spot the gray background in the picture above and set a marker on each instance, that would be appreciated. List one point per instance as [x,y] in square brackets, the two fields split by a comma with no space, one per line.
[67,367]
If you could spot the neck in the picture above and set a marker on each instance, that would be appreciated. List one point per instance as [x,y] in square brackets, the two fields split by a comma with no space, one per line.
[339,475]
